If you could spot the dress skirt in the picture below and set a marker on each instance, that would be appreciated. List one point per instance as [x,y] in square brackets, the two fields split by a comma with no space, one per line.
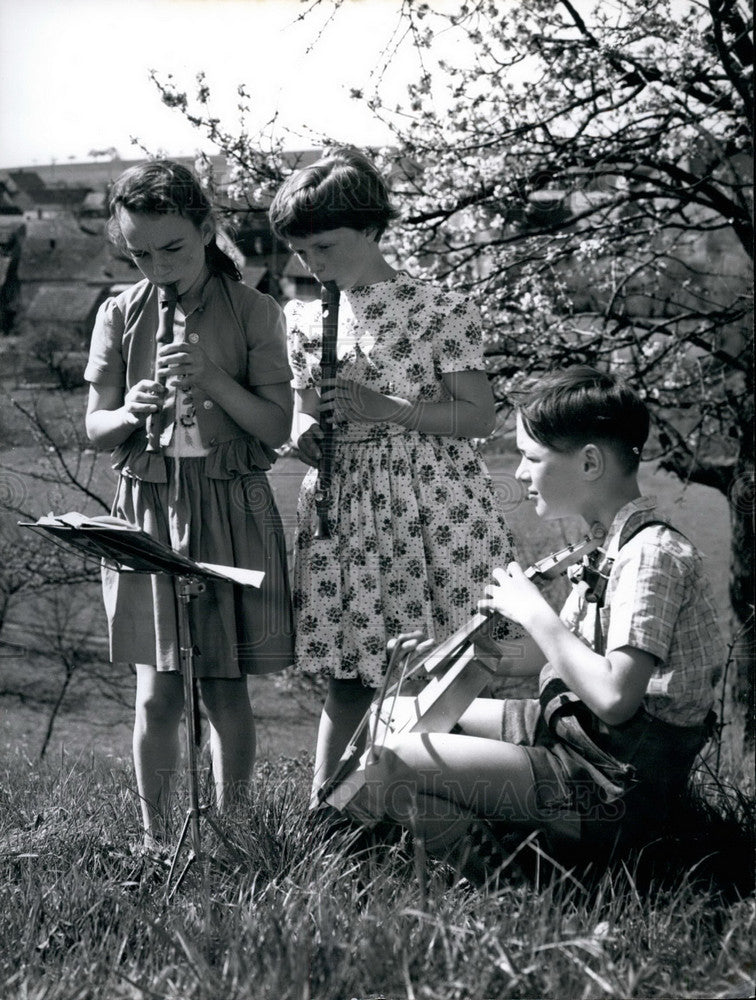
[233,522]
[415,535]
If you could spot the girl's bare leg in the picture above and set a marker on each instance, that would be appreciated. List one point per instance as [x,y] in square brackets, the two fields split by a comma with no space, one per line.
[345,705]
[158,707]
[233,740]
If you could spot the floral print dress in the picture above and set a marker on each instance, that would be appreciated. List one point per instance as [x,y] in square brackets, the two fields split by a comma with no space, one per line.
[415,529]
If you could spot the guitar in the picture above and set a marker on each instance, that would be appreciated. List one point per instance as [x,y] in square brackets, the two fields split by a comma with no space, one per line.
[454,677]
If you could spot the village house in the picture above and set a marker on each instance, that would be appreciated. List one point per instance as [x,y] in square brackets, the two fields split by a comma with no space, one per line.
[68,308]
[57,266]
[8,205]
[12,233]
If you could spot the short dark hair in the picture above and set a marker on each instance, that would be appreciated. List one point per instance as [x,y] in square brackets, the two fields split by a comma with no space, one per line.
[164,187]
[341,190]
[567,408]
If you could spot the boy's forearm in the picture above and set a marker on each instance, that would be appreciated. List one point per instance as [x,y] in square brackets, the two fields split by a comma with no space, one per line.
[581,669]
[612,686]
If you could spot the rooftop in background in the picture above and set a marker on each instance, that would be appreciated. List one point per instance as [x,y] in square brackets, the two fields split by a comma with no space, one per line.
[61,249]
[95,174]
[65,302]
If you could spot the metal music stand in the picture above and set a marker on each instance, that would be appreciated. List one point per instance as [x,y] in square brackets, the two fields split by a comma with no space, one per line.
[130,550]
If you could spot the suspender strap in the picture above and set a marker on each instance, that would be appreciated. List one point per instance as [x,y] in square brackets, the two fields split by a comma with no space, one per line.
[599,645]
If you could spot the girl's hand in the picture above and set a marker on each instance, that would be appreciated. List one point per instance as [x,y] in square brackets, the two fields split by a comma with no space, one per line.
[349,400]
[141,400]
[187,362]
[513,596]
[308,445]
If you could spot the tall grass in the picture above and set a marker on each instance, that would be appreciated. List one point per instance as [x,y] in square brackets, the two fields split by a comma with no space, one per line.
[292,911]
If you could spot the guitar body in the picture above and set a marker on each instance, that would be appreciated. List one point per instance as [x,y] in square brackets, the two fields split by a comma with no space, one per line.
[435,709]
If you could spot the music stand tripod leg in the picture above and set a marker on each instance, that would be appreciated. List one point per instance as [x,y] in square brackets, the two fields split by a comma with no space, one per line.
[186,588]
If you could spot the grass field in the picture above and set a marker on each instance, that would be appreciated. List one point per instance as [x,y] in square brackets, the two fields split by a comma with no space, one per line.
[286,911]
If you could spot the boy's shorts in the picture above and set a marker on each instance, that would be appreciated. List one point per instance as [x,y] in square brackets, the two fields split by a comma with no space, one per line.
[570,788]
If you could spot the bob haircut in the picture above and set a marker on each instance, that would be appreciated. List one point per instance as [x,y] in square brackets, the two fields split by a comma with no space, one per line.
[341,190]
[569,408]
[164,187]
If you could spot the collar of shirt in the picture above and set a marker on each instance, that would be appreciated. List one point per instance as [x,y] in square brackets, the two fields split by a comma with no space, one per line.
[634,512]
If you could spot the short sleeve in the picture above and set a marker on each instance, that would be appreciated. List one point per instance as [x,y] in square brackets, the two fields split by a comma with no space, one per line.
[267,361]
[106,364]
[303,333]
[646,599]
[458,344]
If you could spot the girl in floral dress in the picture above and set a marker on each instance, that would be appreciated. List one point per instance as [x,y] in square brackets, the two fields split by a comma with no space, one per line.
[415,530]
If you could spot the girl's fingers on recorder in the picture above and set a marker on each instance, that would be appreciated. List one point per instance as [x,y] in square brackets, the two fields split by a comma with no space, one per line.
[143,398]
[327,403]
[308,445]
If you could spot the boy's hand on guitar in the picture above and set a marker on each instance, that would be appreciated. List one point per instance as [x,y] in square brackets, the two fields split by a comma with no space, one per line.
[513,595]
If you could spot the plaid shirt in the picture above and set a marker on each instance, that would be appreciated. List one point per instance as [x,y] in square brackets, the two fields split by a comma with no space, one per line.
[659,600]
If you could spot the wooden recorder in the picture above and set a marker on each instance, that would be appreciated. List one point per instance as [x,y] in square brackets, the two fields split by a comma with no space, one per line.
[328,362]
[167,298]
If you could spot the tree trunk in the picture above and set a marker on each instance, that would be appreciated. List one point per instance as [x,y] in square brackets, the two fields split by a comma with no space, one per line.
[741,501]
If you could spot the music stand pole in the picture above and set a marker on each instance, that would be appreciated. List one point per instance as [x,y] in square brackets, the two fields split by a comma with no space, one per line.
[187,587]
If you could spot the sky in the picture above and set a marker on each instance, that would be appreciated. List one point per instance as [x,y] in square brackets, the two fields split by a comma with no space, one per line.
[74,74]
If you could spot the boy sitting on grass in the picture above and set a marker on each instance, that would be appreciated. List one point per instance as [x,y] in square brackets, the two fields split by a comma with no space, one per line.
[627,669]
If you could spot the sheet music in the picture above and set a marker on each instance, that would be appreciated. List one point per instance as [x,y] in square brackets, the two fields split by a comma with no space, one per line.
[132,549]
[247,577]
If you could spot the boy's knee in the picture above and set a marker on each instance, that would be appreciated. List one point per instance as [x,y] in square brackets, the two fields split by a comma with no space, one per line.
[391,782]
[386,792]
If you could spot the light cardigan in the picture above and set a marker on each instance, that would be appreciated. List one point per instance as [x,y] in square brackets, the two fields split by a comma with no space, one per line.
[241,330]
